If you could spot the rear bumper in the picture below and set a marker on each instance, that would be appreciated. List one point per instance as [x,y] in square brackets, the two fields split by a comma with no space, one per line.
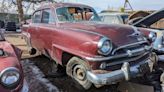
[125,73]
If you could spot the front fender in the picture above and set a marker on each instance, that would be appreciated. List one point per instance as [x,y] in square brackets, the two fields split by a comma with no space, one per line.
[58,50]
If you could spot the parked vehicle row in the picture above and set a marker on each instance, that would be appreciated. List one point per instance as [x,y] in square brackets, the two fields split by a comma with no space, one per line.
[92,52]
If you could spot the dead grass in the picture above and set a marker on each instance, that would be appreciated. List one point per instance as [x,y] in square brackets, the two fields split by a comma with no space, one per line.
[17,40]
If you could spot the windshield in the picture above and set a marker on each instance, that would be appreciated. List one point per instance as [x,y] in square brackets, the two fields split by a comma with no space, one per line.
[75,14]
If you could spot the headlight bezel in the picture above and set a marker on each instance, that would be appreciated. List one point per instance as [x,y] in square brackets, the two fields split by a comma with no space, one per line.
[100,45]
[8,70]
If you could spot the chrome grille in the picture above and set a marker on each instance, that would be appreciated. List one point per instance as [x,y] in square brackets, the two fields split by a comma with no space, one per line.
[138,53]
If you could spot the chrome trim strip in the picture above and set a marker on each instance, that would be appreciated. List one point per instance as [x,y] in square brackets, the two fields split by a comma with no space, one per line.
[124,46]
[128,60]
[133,52]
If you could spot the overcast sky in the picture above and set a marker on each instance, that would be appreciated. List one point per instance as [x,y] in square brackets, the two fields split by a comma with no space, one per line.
[136,4]
[100,5]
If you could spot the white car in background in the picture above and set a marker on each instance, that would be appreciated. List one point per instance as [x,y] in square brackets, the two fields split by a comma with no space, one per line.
[114,17]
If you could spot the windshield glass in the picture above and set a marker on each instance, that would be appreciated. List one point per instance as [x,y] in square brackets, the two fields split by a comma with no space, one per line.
[75,14]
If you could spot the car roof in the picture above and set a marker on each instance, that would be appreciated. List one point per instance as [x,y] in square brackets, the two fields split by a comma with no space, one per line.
[58,5]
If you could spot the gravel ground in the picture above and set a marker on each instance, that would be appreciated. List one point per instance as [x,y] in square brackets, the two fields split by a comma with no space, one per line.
[65,83]
[36,79]
[40,81]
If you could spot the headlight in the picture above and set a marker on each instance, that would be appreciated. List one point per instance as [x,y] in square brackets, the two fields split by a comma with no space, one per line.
[152,36]
[104,46]
[10,77]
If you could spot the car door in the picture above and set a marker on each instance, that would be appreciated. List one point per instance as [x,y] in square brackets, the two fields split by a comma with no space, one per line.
[34,29]
[47,29]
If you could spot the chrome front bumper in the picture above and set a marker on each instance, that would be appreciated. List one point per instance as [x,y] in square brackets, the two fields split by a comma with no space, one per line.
[125,73]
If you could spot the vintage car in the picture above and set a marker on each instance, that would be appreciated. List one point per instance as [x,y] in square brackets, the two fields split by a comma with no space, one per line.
[155,23]
[11,72]
[114,18]
[92,52]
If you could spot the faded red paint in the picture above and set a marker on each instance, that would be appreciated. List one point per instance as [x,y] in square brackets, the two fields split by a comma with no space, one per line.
[11,60]
[79,38]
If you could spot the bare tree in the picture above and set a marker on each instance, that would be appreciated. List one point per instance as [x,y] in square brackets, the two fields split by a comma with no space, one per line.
[20,10]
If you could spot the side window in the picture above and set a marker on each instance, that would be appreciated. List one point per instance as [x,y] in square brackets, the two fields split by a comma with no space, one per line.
[37,17]
[47,16]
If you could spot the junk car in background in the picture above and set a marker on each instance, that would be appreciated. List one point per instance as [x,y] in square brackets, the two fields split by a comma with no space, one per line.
[155,23]
[114,17]
[11,72]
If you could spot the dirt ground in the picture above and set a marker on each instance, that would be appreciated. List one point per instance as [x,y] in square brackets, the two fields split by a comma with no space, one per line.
[36,73]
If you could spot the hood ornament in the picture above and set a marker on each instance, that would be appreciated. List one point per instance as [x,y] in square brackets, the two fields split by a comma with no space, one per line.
[136,34]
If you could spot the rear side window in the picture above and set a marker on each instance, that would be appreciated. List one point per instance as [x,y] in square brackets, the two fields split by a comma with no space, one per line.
[47,17]
[37,17]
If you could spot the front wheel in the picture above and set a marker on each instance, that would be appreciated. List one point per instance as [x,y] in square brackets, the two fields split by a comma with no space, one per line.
[77,69]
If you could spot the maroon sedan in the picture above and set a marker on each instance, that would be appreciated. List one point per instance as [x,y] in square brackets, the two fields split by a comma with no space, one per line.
[93,53]
[11,72]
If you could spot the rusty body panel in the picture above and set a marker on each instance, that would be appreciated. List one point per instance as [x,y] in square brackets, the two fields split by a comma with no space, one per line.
[80,42]
[79,38]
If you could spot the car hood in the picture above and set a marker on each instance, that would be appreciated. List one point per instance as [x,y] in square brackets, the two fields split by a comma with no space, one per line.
[118,34]
[150,19]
